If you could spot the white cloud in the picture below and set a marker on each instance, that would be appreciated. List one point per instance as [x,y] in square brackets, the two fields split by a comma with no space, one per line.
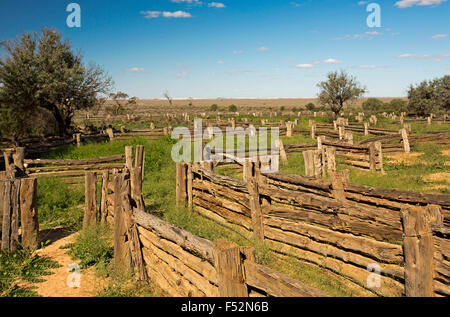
[304,66]
[216,5]
[177,14]
[262,49]
[136,70]
[181,74]
[373,33]
[332,61]
[409,3]
[166,14]
[151,14]
[439,36]
[312,65]
[238,52]
[361,3]
[435,57]
[197,2]
[221,62]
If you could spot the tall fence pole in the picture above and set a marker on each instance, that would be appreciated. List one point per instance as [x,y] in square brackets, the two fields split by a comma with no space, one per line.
[418,252]
[90,208]
[29,213]
[251,171]
[181,184]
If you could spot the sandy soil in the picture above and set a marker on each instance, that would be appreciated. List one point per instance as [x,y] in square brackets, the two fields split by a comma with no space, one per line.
[55,285]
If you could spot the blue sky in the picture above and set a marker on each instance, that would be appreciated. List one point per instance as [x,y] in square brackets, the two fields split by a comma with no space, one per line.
[248,48]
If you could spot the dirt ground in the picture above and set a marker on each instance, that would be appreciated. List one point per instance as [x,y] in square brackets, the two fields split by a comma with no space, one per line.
[56,285]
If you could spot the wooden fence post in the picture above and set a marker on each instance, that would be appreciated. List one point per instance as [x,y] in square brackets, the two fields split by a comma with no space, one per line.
[418,252]
[308,157]
[338,181]
[128,157]
[78,139]
[404,135]
[372,157]
[341,131]
[313,131]
[139,160]
[10,225]
[181,184]
[110,133]
[349,137]
[189,185]
[251,171]
[331,159]
[121,190]
[289,128]
[230,271]
[90,208]
[379,154]
[136,187]
[29,213]
[104,197]
[282,151]
[317,162]
[366,128]
[18,158]
[7,155]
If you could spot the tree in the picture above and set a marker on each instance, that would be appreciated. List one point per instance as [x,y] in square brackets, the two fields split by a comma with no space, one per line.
[373,105]
[167,96]
[429,96]
[42,72]
[310,106]
[119,100]
[397,105]
[232,108]
[339,89]
[213,107]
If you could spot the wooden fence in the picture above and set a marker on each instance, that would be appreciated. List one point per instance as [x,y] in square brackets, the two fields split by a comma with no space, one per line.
[349,229]
[18,192]
[185,265]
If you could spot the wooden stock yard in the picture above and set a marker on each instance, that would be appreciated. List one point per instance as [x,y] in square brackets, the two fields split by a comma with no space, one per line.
[348,229]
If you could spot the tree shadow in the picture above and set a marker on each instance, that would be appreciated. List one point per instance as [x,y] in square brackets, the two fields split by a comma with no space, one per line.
[49,236]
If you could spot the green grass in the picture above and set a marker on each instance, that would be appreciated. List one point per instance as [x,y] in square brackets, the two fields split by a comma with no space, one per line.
[19,268]
[58,204]
[93,247]
[159,195]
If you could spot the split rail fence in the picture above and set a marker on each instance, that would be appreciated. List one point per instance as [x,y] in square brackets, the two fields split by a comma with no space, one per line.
[352,230]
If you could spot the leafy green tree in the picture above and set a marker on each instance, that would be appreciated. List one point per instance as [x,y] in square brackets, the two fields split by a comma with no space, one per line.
[338,90]
[232,108]
[397,105]
[429,96]
[41,72]
[310,106]
[373,105]
[214,107]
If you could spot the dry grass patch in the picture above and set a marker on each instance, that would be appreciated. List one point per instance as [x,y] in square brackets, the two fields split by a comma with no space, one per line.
[437,177]
[407,158]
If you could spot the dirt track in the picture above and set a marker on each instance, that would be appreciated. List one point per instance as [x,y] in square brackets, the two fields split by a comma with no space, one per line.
[55,285]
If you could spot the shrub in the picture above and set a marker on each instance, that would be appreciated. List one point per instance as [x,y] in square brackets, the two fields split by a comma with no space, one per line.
[232,108]
[213,107]
[93,246]
[373,105]
[310,106]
